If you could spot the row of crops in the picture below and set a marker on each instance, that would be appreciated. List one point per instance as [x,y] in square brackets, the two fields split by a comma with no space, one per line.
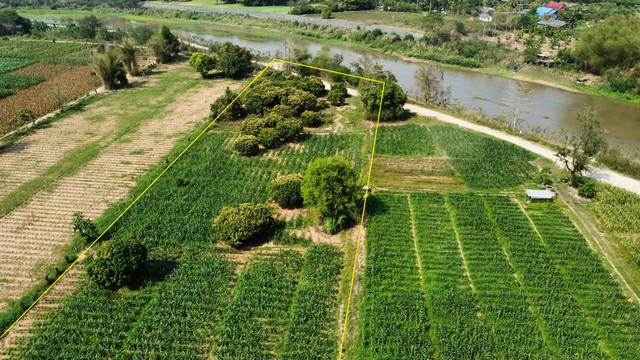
[26,80]
[394,323]
[406,140]
[193,304]
[493,287]
[483,162]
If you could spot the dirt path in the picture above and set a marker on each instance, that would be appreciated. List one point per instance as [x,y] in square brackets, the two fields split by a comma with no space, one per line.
[31,235]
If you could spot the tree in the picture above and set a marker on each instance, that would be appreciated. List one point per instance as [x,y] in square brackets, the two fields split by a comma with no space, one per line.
[233,60]
[430,89]
[244,223]
[520,94]
[234,112]
[330,186]
[337,94]
[326,13]
[130,53]
[164,45]
[87,27]
[577,152]
[392,103]
[311,118]
[84,226]
[286,191]
[13,24]
[202,62]
[117,263]
[110,69]
[612,43]
[246,145]
[432,21]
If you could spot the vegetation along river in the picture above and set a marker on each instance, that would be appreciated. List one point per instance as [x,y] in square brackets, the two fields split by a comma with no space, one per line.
[547,108]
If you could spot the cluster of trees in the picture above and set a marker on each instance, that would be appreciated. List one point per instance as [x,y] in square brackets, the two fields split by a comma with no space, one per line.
[612,48]
[55,4]
[329,186]
[13,24]
[230,60]
[276,110]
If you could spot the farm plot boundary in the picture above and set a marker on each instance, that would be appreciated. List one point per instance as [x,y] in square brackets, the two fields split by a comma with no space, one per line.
[244,90]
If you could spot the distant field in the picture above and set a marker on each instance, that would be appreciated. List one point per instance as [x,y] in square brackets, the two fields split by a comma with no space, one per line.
[39,76]
[214,4]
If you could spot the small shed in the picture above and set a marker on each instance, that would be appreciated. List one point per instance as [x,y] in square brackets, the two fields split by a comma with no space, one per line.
[545,11]
[540,195]
[555,5]
[485,17]
[552,23]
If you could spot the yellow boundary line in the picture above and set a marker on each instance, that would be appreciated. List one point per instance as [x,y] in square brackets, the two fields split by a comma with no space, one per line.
[355,259]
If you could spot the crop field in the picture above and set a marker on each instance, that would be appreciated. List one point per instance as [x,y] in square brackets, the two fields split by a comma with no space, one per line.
[40,76]
[489,282]
[297,314]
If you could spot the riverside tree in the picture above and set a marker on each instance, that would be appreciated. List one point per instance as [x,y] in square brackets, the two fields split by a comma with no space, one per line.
[164,45]
[429,80]
[330,186]
[577,152]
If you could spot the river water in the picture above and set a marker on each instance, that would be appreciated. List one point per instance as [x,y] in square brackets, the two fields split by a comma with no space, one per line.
[547,108]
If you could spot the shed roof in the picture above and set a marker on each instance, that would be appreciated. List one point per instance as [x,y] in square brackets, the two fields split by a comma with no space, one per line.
[542,11]
[555,5]
[552,23]
[539,194]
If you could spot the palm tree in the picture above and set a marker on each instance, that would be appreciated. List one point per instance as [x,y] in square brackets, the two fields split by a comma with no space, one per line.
[129,53]
[110,69]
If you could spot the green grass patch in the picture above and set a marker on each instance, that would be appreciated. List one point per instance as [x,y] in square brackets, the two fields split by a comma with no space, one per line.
[405,140]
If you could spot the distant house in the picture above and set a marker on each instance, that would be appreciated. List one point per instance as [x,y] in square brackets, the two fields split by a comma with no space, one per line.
[540,195]
[555,5]
[545,11]
[552,23]
[485,17]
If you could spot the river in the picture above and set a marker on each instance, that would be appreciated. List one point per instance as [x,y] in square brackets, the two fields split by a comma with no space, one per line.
[547,108]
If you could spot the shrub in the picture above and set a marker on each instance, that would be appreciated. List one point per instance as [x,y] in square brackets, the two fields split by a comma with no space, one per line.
[286,191]
[330,186]
[110,69]
[84,226]
[392,104]
[283,110]
[326,13]
[117,262]
[252,125]
[233,60]
[587,188]
[289,128]
[311,118]
[245,223]
[337,94]
[202,63]
[164,45]
[246,145]
[235,112]
[269,138]
[301,100]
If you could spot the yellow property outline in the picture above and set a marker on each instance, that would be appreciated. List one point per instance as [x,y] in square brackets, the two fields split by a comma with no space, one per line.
[361,227]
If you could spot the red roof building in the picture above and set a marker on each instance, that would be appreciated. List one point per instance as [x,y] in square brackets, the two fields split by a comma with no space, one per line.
[555,5]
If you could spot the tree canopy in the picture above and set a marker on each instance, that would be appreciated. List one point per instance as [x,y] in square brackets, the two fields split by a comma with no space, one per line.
[13,24]
[330,186]
[117,262]
[244,223]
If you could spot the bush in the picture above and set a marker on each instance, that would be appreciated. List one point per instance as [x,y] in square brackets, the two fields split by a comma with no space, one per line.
[289,128]
[164,45]
[311,118]
[392,104]
[84,226]
[337,94]
[269,137]
[233,60]
[246,145]
[202,63]
[330,186]
[117,262]
[283,110]
[286,191]
[235,112]
[245,223]
[252,125]
[326,13]
[587,188]
[301,100]
[303,9]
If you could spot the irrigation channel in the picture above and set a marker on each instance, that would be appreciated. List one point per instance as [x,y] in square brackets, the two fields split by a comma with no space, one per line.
[548,107]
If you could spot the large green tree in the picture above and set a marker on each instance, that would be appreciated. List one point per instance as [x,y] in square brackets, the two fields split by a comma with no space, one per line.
[612,43]
[164,45]
[233,60]
[118,262]
[13,24]
[330,185]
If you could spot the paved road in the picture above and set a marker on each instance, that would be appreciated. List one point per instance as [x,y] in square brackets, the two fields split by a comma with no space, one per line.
[281,17]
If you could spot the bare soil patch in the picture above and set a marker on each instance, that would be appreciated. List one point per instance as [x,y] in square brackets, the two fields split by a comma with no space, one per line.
[414,173]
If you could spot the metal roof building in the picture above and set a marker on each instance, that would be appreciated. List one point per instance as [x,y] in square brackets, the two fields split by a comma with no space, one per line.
[540,194]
